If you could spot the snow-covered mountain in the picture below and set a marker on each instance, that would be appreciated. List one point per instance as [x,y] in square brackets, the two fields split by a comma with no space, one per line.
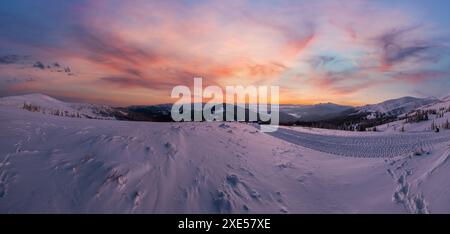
[427,117]
[442,103]
[157,113]
[52,164]
[45,104]
[395,107]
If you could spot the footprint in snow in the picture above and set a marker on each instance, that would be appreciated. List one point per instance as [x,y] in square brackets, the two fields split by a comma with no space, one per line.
[137,198]
[171,148]
[254,194]
[232,179]
[2,190]
[284,210]
[222,203]
[286,165]
[224,126]
[149,150]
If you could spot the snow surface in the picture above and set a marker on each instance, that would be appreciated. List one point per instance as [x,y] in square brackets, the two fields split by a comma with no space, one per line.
[365,145]
[53,164]
[49,105]
[423,126]
[441,104]
[398,106]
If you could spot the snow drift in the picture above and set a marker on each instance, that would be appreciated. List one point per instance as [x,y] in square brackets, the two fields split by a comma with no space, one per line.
[37,102]
[53,164]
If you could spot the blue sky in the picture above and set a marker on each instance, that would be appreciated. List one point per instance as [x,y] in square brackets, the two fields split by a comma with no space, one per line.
[134,52]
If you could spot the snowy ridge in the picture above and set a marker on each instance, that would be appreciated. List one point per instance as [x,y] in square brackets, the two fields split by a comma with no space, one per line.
[398,106]
[444,103]
[53,164]
[438,115]
[446,98]
[42,103]
[50,164]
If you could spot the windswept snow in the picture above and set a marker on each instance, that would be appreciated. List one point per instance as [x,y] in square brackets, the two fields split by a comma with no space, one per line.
[365,145]
[441,104]
[398,106]
[441,107]
[48,105]
[52,164]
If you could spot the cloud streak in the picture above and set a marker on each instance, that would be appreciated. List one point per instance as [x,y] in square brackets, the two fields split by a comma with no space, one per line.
[343,50]
[402,44]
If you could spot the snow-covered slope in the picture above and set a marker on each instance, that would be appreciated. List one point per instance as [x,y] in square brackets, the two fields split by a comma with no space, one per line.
[51,164]
[35,99]
[438,116]
[443,103]
[395,107]
[42,103]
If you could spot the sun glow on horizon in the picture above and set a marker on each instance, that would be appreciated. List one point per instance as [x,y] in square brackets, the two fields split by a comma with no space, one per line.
[131,53]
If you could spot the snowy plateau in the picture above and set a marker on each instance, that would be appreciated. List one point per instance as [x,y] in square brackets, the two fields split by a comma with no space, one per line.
[72,158]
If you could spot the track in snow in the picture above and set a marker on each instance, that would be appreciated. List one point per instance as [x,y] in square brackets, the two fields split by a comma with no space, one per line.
[386,145]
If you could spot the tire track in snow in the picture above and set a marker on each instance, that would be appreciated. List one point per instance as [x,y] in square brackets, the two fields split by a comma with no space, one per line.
[375,146]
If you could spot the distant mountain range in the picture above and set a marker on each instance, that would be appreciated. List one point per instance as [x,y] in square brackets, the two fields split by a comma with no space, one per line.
[316,112]
[327,115]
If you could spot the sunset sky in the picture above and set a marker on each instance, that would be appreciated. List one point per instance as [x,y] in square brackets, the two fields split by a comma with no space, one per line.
[134,52]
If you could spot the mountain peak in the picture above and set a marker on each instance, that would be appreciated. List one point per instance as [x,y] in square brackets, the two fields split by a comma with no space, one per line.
[40,96]
[398,106]
[33,98]
[446,98]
